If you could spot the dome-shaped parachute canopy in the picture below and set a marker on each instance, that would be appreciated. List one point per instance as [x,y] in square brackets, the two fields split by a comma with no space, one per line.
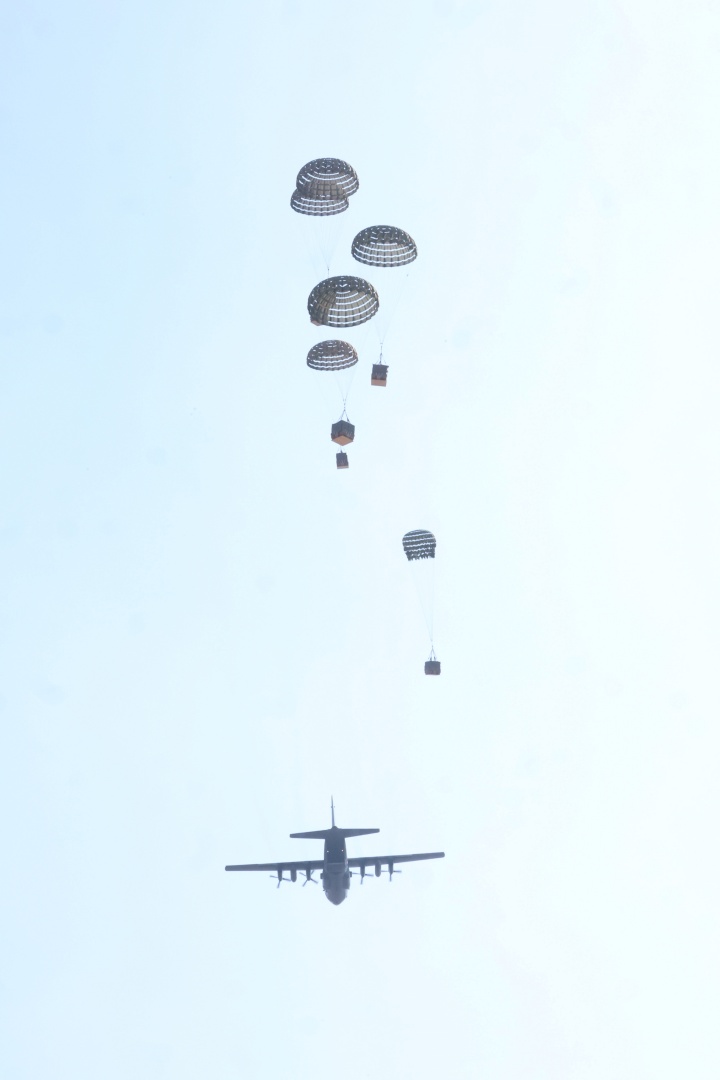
[322,189]
[318,203]
[342,301]
[419,544]
[332,356]
[324,175]
[384,245]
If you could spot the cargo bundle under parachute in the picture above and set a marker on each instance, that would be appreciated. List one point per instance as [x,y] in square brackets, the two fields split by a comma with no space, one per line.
[419,546]
[339,358]
[385,247]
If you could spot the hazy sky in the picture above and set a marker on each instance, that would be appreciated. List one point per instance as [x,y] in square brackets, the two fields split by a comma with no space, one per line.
[208,630]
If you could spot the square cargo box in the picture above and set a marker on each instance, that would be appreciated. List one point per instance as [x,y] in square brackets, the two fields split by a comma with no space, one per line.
[343,432]
[379,375]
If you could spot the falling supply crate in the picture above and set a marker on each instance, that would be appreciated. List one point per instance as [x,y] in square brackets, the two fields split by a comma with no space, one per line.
[379,375]
[432,667]
[343,432]
[342,460]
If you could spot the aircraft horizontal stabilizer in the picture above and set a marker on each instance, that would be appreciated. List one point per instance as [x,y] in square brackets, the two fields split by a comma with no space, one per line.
[326,834]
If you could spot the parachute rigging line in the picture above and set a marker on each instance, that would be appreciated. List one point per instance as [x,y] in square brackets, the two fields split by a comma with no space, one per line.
[383,327]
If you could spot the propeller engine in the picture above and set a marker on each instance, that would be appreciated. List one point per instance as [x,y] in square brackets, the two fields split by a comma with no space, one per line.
[391,870]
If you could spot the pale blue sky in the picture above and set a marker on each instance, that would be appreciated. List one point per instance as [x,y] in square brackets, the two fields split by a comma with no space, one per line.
[207,630]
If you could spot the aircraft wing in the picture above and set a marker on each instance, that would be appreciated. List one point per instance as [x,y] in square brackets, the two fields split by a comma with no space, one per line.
[386,860]
[275,867]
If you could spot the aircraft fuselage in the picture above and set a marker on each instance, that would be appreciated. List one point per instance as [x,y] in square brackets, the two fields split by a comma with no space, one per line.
[336,873]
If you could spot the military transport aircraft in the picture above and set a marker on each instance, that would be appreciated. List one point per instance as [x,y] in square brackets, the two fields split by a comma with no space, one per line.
[335,866]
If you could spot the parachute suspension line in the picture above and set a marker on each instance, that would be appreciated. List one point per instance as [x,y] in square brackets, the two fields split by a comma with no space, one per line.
[344,385]
[426,594]
[395,303]
[314,255]
[361,334]
[429,618]
[431,613]
[326,231]
[316,226]
[327,259]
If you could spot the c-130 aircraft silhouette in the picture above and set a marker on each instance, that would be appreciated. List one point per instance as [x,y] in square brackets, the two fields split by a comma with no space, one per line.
[335,866]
